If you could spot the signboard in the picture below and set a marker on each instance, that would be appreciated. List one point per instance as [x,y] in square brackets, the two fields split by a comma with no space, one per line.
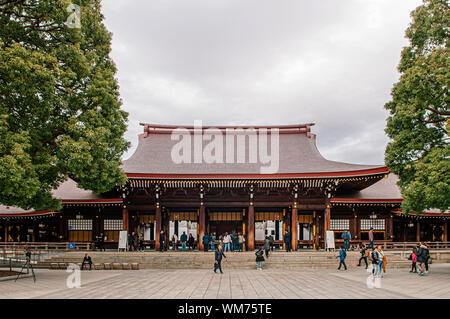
[71,245]
[123,236]
[330,240]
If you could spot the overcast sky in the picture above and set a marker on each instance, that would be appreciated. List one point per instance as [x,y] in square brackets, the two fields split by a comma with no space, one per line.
[270,62]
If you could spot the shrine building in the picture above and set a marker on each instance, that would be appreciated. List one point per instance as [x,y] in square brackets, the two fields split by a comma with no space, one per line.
[306,196]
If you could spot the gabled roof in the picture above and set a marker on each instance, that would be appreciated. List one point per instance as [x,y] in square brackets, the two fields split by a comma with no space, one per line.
[298,156]
[69,193]
[385,190]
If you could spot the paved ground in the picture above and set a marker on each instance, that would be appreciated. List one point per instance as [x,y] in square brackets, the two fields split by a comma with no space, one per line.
[199,284]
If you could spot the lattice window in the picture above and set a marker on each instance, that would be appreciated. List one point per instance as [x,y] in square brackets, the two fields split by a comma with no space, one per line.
[339,224]
[79,224]
[376,224]
[113,224]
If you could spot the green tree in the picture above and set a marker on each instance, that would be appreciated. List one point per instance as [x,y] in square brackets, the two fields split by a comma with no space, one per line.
[60,110]
[419,115]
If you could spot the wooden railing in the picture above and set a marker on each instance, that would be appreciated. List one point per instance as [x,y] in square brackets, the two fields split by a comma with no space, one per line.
[392,245]
[46,245]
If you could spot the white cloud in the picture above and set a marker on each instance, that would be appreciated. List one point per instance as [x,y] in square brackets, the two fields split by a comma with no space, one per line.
[262,62]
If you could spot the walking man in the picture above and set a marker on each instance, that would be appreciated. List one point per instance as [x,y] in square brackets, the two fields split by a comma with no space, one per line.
[376,262]
[191,242]
[131,242]
[364,254]
[267,246]
[287,241]
[346,236]
[241,240]
[218,254]
[183,239]
[101,242]
[205,242]
[175,242]
[161,241]
[212,239]
[342,256]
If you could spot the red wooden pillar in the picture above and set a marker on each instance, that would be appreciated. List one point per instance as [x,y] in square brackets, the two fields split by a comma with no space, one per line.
[158,224]
[389,235]
[6,231]
[294,223]
[316,240]
[327,217]
[445,231]
[417,231]
[125,218]
[201,225]
[355,225]
[251,228]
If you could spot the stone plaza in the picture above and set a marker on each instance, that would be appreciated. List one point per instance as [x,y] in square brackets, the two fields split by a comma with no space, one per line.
[233,284]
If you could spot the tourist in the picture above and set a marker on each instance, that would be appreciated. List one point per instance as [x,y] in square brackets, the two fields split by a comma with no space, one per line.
[183,239]
[218,254]
[259,258]
[413,258]
[101,242]
[175,242]
[136,242]
[86,260]
[221,240]
[241,241]
[212,240]
[272,240]
[205,241]
[376,262]
[267,246]
[346,236]
[371,237]
[191,242]
[234,239]
[422,256]
[161,241]
[287,241]
[131,242]
[364,254]
[226,242]
[141,242]
[342,256]
[428,257]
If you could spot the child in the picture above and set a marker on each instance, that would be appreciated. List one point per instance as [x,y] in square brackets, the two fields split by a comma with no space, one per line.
[413,258]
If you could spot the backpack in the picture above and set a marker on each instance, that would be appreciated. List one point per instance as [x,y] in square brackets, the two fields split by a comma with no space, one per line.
[345,254]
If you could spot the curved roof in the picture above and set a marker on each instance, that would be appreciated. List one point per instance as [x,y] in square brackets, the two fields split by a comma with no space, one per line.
[298,155]
[68,192]
[385,190]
